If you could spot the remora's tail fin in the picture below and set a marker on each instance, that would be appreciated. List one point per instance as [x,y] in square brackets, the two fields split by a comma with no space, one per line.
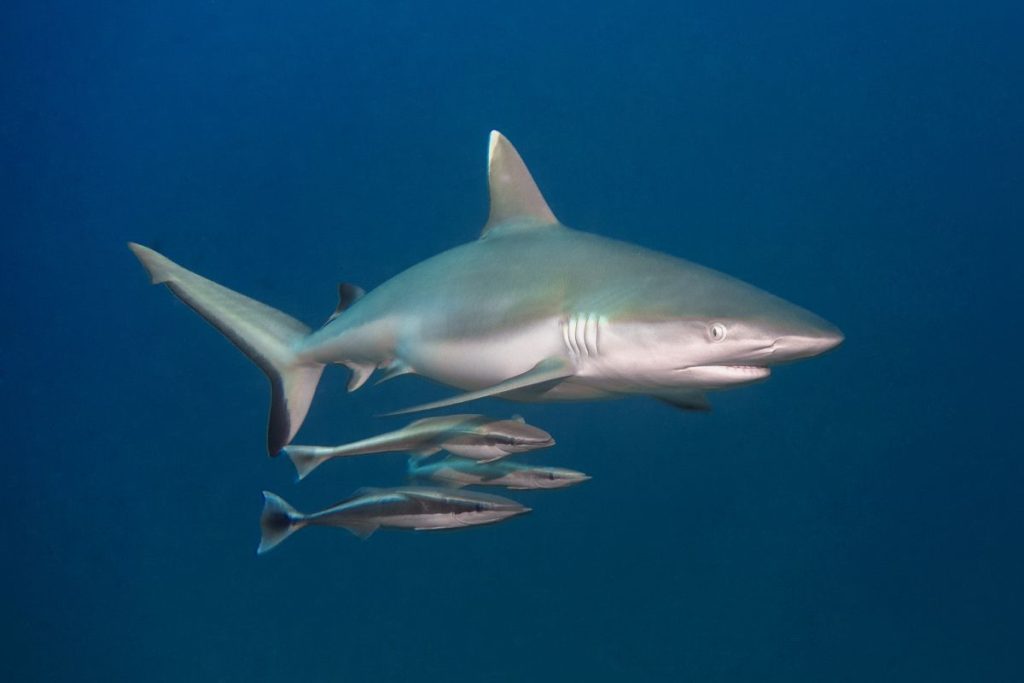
[306,458]
[278,521]
[266,335]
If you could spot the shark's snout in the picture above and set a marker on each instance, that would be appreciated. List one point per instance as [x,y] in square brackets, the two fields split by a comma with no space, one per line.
[807,343]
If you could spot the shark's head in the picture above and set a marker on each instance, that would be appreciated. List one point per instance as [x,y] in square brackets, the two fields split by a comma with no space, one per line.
[720,332]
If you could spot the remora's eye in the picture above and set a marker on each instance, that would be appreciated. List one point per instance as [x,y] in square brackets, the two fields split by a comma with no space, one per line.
[717,331]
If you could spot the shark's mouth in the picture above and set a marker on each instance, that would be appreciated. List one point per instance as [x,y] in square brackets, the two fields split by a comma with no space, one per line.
[725,375]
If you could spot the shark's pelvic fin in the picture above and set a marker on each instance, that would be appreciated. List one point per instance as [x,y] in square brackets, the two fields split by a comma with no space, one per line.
[266,335]
[348,294]
[548,370]
[686,399]
[516,202]
[396,368]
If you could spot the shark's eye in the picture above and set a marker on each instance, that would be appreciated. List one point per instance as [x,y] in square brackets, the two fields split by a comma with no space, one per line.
[717,331]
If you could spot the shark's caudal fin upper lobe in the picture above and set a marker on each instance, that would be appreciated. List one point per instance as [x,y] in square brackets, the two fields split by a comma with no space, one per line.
[264,334]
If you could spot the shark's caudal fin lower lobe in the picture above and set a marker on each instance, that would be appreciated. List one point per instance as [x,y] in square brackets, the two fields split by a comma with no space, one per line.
[278,521]
[264,334]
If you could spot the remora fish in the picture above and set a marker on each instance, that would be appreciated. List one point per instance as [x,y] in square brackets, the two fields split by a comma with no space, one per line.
[472,436]
[410,507]
[531,311]
[510,475]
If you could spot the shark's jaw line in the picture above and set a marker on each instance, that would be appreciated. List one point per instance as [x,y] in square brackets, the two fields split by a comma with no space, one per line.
[723,376]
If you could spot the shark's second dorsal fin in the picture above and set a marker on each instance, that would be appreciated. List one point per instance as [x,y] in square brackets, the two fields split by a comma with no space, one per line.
[348,294]
[516,202]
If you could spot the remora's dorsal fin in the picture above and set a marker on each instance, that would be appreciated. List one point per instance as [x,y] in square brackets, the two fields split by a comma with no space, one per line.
[515,199]
[348,294]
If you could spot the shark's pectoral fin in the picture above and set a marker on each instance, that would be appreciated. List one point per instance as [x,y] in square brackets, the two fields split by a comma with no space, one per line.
[548,370]
[687,399]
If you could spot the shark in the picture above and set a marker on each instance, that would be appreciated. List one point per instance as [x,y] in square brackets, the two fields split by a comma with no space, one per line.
[531,311]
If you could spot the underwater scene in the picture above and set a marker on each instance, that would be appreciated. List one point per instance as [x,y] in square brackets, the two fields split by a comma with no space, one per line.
[526,342]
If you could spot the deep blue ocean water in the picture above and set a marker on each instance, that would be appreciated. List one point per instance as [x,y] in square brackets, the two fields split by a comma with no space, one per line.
[857,517]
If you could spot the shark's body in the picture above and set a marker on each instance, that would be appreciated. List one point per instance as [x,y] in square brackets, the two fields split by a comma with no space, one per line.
[532,311]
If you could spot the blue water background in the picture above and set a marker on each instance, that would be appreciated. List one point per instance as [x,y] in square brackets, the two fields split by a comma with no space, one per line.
[858,517]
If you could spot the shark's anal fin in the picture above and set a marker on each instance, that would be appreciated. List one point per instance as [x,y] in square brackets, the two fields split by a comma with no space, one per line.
[686,399]
[548,370]
[360,373]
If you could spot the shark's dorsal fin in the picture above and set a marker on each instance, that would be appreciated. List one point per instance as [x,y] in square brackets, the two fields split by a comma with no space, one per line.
[348,294]
[516,203]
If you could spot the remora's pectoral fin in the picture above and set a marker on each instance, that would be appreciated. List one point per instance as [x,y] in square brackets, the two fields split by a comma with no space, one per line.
[548,370]
[516,202]
[686,400]
[360,528]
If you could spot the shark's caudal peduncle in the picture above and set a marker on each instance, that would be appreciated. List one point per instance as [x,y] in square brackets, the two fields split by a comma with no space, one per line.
[531,311]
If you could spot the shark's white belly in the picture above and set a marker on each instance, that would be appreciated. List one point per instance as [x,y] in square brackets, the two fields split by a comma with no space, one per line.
[477,362]
[481,361]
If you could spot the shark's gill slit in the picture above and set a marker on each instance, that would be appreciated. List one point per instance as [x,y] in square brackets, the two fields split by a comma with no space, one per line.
[590,334]
[581,335]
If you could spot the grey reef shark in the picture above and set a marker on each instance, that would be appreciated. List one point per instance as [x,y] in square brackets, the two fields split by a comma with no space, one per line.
[530,311]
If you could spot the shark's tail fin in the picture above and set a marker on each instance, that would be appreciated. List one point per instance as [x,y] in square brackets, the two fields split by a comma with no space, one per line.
[306,458]
[278,521]
[264,334]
